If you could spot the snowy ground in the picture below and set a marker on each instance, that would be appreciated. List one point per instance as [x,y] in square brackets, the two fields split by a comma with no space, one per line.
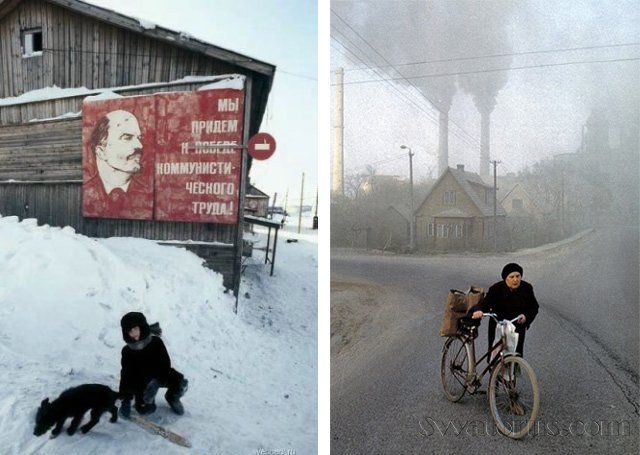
[253,376]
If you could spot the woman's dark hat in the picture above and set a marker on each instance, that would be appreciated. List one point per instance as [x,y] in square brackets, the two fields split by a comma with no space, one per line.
[510,268]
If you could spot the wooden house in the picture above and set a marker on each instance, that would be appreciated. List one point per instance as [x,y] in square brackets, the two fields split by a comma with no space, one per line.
[457,214]
[528,214]
[53,53]
[256,202]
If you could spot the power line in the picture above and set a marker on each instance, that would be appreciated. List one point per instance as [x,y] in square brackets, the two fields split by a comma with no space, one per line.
[433,103]
[514,54]
[405,97]
[298,75]
[375,71]
[377,52]
[495,70]
[428,114]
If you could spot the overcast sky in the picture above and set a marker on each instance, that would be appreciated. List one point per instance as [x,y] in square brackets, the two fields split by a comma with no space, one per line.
[539,112]
[282,33]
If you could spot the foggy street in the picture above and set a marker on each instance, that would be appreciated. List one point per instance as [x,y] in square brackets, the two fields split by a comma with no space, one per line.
[386,311]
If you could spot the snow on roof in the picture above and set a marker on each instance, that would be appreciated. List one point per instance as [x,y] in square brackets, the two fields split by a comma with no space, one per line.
[235,81]
[146,24]
[62,116]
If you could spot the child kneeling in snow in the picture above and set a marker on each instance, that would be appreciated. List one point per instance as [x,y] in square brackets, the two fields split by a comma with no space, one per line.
[146,367]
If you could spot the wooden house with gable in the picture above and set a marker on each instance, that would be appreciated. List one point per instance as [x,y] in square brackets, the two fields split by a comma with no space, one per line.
[54,53]
[528,214]
[457,214]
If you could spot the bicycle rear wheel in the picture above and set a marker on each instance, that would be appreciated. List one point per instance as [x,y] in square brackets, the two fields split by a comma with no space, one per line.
[514,396]
[454,368]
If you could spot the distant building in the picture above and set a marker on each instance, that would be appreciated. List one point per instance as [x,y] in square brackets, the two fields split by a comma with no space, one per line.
[457,214]
[374,183]
[529,215]
[256,202]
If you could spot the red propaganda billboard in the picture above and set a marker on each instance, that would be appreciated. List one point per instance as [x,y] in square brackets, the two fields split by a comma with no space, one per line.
[163,156]
[118,137]
[197,178]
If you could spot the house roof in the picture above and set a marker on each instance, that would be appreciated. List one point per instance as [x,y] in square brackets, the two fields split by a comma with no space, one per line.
[255,192]
[174,38]
[531,194]
[466,180]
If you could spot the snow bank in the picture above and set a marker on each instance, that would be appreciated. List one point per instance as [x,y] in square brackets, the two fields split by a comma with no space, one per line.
[253,375]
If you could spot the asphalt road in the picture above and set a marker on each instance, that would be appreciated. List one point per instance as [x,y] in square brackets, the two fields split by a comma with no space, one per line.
[386,395]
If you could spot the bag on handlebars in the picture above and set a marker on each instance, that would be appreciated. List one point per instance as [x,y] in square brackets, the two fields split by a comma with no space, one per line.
[458,304]
[512,336]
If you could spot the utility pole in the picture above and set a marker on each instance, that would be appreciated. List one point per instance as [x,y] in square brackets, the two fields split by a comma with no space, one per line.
[412,227]
[301,201]
[337,182]
[495,205]
[315,216]
[562,230]
[273,206]
[286,200]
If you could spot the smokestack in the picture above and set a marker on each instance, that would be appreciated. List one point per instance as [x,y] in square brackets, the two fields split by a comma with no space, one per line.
[443,143]
[337,184]
[485,135]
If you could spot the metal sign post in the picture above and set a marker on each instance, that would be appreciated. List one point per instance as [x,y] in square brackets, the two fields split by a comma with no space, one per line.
[237,265]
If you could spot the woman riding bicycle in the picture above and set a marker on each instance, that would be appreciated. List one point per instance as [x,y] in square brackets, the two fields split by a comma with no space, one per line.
[509,299]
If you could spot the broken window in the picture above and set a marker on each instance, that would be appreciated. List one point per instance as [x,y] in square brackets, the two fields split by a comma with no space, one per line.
[32,42]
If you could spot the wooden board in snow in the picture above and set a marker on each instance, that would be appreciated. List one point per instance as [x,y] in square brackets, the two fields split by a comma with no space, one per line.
[162,431]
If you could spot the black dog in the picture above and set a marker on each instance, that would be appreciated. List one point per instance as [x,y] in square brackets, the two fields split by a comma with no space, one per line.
[74,402]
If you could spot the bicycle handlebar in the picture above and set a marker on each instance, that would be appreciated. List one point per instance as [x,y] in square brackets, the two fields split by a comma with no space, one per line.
[495,316]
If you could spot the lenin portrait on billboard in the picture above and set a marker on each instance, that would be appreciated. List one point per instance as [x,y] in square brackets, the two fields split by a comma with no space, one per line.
[117,166]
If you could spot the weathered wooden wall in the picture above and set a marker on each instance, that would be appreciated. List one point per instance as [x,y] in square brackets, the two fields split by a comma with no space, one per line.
[83,51]
[58,203]
[85,46]
[42,151]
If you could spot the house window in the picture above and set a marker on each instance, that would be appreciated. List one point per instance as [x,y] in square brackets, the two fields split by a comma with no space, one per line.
[442,231]
[517,204]
[458,231]
[32,42]
[431,230]
[449,198]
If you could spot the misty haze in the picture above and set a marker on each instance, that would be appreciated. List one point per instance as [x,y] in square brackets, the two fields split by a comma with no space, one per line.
[467,135]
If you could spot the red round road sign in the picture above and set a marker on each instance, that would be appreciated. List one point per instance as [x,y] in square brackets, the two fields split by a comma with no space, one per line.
[261,146]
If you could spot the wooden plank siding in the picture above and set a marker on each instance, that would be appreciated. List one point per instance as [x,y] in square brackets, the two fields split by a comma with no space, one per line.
[98,49]
[58,203]
[82,51]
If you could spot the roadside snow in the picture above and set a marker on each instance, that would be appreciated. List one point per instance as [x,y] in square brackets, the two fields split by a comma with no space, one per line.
[253,375]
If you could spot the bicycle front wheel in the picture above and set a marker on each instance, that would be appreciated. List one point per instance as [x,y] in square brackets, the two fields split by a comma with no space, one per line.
[514,396]
[454,368]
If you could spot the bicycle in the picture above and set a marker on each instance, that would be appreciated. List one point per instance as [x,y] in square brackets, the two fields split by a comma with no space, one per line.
[514,396]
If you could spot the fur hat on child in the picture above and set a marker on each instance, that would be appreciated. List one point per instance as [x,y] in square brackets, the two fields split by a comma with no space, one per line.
[510,268]
[131,320]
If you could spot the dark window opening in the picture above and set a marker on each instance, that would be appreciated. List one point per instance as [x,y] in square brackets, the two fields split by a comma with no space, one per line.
[31,42]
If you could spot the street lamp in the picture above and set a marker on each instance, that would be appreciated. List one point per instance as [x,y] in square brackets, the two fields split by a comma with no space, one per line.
[412,230]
